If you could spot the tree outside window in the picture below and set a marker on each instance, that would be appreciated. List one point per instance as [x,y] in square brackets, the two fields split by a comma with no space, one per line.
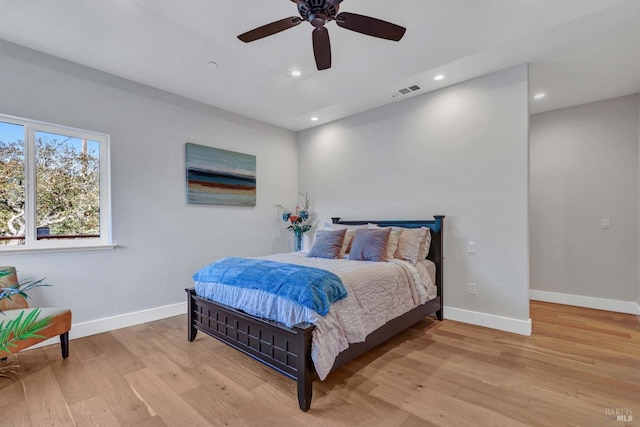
[67,200]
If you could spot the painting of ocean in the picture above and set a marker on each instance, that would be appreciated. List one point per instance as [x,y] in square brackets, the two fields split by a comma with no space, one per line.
[220,177]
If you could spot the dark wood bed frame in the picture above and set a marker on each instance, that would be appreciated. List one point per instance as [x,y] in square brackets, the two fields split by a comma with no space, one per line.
[288,350]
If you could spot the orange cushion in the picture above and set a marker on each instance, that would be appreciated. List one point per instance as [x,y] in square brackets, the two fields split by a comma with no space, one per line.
[60,323]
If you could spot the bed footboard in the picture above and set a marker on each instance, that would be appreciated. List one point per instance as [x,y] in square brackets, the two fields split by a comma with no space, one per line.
[287,350]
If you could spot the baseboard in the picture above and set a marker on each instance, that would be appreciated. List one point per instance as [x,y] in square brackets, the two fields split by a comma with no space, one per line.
[628,307]
[507,324]
[98,326]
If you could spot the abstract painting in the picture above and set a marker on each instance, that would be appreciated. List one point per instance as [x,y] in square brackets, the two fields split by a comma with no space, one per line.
[220,177]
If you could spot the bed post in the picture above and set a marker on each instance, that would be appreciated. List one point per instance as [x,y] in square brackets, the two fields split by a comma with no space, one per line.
[192,331]
[304,367]
[439,258]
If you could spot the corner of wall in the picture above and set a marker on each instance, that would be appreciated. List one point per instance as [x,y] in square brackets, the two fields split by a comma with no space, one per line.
[638,274]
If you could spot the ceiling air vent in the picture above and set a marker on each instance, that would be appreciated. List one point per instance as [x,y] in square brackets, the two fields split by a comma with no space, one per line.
[405,91]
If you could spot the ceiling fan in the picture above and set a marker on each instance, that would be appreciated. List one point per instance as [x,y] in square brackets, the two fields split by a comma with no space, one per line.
[318,13]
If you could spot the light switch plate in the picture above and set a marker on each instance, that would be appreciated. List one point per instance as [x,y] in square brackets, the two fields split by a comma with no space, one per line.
[606,224]
[471,247]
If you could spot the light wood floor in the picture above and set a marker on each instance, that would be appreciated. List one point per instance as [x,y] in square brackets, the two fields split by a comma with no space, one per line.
[577,365]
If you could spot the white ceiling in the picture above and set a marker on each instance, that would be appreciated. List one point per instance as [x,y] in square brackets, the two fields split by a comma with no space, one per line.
[580,50]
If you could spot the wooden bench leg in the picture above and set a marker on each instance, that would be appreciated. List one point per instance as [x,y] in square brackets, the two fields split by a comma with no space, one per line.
[64,344]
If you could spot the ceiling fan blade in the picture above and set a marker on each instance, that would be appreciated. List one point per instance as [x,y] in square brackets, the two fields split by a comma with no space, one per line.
[322,48]
[270,29]
[370,26]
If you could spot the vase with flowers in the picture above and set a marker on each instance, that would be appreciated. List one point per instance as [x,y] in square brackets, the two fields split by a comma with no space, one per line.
[299,219]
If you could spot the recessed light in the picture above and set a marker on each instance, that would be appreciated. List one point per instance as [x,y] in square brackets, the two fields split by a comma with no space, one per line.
[314,119]
[439,77]
[212,65]
[539,95]
[296,73]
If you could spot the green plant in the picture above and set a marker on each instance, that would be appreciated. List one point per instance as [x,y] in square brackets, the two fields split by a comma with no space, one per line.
[23,327]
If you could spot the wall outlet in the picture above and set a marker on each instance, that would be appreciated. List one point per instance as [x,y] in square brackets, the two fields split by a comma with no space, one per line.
[473,288]
[471,247]
[606,224]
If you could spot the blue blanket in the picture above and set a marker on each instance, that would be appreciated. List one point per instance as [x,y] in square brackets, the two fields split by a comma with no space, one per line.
[311,287]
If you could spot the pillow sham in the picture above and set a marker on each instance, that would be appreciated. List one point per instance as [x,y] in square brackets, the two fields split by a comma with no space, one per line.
[348,239]
[426,246]
[370,245]
[394,239]
[327,244]
[411,244]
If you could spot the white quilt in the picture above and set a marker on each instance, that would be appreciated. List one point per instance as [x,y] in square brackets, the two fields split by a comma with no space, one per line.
[378,292]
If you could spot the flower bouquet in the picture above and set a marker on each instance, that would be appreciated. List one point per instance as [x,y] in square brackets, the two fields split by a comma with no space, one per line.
[299,219]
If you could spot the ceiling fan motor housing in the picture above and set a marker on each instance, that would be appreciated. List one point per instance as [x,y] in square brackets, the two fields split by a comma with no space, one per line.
[318,12]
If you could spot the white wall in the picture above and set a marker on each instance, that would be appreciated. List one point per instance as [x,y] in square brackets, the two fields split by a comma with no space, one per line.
[462,152]
[584,167]
[161,241]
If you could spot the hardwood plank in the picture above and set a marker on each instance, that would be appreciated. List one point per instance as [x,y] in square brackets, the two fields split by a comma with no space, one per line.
[46,405]
[413,421]
[137,339]
[216,411]
[225,389]
[93,412]
[85,349]
[173,375]
[155,421]
[116,392]
[443,410]
[13,404]
[73,380]
[118,354]
[163,401]
[31,361]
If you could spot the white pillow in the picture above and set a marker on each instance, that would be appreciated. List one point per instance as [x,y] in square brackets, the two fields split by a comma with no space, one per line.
[426,246]
[412,243]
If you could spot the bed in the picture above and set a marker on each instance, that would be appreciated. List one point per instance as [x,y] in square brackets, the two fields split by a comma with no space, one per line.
[288,349]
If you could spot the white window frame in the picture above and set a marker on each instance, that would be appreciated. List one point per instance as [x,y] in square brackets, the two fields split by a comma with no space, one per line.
[32,244]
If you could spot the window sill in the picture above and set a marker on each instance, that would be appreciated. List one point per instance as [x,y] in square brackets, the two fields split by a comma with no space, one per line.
[23,250]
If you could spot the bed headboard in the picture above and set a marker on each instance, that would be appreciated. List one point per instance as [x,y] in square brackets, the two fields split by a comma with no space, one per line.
[436,251]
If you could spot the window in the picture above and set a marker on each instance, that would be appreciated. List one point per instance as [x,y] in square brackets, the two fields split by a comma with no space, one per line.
[54,186]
